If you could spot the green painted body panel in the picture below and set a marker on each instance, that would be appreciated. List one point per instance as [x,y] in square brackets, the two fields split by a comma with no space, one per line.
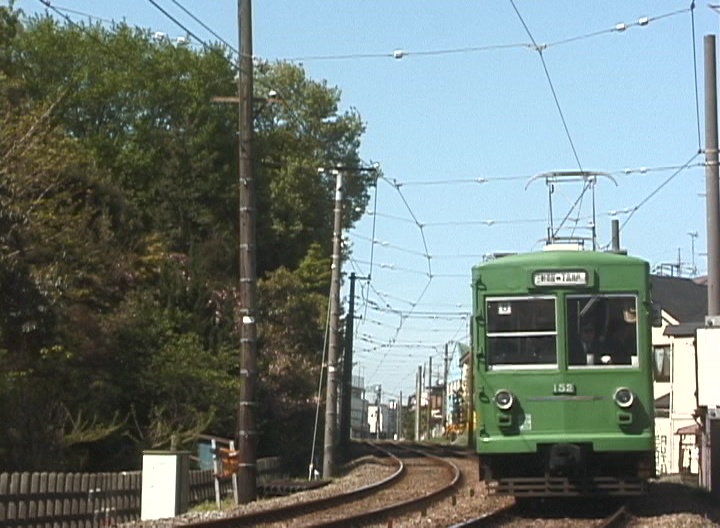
[542,414]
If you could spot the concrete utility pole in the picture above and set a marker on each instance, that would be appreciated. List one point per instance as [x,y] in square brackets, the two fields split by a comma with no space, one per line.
[470,394]
[346,404]
[693,236]
[445,389]
[400,418]
[429,389]
[712,191]
[246,433]
[331,399]
[418,401]
[379,417]
[334,341]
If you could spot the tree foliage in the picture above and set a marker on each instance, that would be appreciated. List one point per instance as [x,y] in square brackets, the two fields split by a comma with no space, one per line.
[119,245]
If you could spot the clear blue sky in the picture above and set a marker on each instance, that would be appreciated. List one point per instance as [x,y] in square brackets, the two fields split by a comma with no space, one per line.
[468,101]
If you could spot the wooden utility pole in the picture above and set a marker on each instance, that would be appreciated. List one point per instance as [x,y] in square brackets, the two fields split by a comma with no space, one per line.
[246,429]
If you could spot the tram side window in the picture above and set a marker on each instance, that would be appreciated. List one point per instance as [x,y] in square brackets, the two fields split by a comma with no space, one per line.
[602,330]
[521,332]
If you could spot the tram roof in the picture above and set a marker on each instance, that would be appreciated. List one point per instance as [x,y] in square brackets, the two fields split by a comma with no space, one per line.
[561,258]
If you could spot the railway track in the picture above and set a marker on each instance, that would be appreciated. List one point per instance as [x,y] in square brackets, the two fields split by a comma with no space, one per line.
[515,515]
[619,518]
[494,518]
[418,479]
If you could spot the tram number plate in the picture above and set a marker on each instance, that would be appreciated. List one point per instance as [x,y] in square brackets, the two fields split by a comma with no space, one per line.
[564,388]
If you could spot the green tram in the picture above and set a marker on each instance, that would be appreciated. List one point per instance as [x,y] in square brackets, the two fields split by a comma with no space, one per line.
[563,374]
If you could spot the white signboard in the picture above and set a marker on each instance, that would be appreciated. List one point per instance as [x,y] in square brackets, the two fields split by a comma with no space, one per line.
[560,278]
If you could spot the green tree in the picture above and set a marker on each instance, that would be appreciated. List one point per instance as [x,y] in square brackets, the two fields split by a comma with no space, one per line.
[292,323]
[61,267]
[118,239]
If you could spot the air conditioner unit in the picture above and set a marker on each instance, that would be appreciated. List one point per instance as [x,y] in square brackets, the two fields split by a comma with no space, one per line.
[712,321]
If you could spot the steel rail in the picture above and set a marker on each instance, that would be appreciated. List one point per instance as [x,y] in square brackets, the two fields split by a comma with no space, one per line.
[398,508]
[293,510]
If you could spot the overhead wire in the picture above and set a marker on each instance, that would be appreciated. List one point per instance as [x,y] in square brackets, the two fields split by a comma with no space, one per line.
[403,317]
[58,10]
[522,177]
[206,27]
[539,50]
[695,71]
[374,223]
[185,28]
[689,163]
[397,185]
[401,54]
[658,189]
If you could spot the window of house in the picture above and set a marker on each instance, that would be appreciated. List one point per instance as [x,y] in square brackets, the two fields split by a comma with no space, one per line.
[662,354]
[521,331]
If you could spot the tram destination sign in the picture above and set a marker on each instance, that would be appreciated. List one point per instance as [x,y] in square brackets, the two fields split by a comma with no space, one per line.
[560,278]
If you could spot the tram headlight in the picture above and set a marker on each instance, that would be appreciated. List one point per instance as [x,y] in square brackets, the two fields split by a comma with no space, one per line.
[624,397]
[504,399]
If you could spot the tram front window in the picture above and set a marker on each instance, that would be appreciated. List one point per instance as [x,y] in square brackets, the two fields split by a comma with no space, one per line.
[602,330]
[521,331]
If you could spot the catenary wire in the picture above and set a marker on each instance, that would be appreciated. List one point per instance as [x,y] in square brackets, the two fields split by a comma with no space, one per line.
[401,54]
[205,26]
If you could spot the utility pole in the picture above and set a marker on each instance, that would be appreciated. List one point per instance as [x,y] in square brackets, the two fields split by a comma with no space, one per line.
[693,236]
[470,394]
[712,192]
[331,403]
[246,430]
[331,399]
[400,418]
[346,404]
[429,389]
[418,401]
[379,415]
[445,390]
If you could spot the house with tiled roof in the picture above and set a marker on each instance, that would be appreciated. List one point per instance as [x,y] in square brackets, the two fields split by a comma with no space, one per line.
[683,306]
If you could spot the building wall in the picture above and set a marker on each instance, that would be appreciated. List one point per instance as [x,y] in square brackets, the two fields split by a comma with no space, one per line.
[453,386]
[379,421]
[358,409]
[663,446]
[675,453]
[358,418]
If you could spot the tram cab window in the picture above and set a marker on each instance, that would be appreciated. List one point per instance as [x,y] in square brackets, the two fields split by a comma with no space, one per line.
[521,331]
[602,330]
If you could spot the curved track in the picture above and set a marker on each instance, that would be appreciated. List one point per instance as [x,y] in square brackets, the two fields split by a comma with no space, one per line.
[406,489]
[514,515]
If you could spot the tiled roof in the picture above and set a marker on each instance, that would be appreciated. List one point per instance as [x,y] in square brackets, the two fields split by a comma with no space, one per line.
[682,298]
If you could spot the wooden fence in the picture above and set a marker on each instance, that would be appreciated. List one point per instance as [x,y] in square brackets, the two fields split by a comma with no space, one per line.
[90,500]
[69,500]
